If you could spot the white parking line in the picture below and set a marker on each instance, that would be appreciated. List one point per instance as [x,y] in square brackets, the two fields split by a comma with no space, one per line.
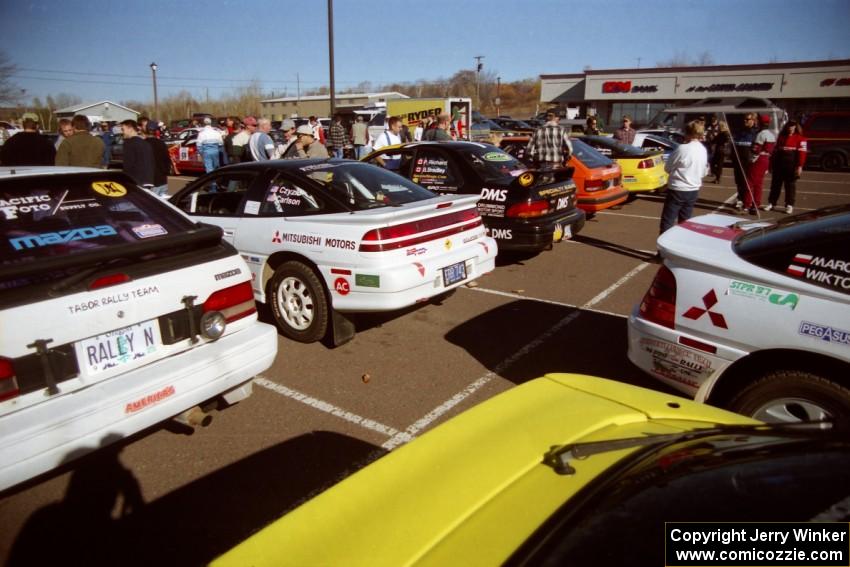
[410,433]
[538,300]
[326,407]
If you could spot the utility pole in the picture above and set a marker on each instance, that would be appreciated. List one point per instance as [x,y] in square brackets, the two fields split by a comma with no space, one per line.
[331,51]
[638,60]
[498,100]
[155,99]
[478,66]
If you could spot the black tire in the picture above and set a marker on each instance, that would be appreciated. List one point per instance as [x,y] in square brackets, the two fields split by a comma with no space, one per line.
[298,302]
[783,396]
[832,161]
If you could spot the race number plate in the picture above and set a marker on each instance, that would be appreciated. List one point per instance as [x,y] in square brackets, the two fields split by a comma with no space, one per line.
[454,273]
[120,347]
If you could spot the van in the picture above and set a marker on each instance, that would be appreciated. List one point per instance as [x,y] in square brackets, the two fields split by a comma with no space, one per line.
[828,134]
[732,110]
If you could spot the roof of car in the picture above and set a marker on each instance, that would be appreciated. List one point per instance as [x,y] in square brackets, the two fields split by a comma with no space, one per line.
[31,170]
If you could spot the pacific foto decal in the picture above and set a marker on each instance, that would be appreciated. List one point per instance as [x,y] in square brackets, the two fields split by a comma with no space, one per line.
[11,207]
[61,237]
[763,293]
[709,300]
[109,188]
[824,333]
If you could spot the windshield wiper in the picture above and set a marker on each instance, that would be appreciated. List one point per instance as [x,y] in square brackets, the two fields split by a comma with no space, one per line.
[560,458]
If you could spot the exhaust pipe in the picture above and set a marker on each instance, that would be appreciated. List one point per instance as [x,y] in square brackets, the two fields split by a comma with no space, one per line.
[194,417]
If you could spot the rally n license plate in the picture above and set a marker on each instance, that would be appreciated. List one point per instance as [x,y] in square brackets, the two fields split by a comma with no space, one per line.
[121,346]
[454,273]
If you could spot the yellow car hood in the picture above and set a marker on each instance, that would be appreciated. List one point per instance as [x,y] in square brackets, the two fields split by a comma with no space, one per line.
[473,489]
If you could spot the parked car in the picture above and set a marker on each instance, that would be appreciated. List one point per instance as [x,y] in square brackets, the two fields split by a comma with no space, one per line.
[324,237]
[643,170]
[523,209]
[116,313]
[598,179]
[828,136]
[513,124]
[753,316]
[730,109]
[648,141]
[674,135]
[183,150]
[561,470]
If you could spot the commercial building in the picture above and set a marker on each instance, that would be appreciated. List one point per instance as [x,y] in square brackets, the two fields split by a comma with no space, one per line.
[104,110]
[799,88]
[320,105]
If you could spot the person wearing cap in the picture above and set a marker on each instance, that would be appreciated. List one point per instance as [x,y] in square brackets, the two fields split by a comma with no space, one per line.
[742,146]
[161,160]
[762,147]
[209,143]
[288,150]
[626,134]
[550,146]
[306,144]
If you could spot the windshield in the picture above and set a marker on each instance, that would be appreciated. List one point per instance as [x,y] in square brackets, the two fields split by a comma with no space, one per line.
[619,150]
[491,162]
[365,186]
[589,156]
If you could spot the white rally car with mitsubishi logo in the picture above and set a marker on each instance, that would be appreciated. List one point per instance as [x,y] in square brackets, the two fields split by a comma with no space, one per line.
[753,316]
[327,237]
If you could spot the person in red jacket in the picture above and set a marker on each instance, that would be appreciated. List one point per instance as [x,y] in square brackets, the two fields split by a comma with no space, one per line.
[761,150]
[787,161]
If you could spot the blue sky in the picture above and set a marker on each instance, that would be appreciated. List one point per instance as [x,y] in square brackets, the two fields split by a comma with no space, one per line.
[103,48]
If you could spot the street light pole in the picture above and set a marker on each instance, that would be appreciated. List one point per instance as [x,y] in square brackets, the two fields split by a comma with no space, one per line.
[478,66]
[331,51]
[155,99]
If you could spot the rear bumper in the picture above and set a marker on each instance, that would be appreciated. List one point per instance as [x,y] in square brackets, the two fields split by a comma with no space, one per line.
[642,183]
[39,438]
[593,203]
[534,234]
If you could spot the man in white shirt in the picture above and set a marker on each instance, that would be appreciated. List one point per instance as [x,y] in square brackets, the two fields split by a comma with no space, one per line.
[209,144]
[687,166]
[389,137]
[261,145]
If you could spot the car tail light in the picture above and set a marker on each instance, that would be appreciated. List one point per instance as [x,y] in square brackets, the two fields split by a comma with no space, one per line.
[659,303]
[646,163]
[593,184]
[8,380]
[233,302]
[528,209]
[411,233]
[106,281]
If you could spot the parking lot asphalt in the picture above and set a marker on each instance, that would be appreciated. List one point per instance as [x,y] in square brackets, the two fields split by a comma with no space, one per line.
[319,414]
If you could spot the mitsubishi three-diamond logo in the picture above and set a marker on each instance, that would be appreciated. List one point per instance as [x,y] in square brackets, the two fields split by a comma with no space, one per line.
[709,300]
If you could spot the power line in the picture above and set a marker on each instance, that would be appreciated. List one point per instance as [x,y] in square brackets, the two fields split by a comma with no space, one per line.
[90,73]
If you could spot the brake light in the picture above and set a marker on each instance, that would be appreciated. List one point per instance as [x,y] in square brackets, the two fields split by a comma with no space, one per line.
[106,281]
[646,163]
[410,233]
[659,303]
[593,184]
[233,302]
[528,209]
[8,381]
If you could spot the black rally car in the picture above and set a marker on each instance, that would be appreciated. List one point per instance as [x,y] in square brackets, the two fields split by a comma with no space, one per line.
[523,209]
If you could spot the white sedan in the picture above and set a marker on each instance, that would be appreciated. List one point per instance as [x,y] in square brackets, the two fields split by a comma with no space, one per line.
[325,237]
[753,316]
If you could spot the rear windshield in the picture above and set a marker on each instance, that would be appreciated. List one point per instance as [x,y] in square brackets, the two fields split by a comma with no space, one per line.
[619,149]
[364,186]
[590,156]
[491,162]
[61,215]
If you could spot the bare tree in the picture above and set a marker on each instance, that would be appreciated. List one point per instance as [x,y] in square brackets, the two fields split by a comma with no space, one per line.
[682,59]
[10,93]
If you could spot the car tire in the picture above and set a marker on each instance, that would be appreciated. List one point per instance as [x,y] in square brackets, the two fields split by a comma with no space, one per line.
[832,161]
[299,302]
[785,396]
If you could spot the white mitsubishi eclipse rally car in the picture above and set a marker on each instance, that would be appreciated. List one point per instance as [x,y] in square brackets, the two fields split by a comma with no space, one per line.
[753,316]
[328,236]
[116,312]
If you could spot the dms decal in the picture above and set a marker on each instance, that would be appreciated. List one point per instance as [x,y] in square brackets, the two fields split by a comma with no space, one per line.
[824,333]
[501,233]
[494,194]
[563,203]
[61,237]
